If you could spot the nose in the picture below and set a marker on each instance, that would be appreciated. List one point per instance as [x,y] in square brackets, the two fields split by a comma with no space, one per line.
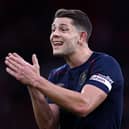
[55,33]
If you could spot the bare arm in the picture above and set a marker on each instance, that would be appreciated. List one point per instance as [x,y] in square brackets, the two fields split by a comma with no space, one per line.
[46,115]
[79,103]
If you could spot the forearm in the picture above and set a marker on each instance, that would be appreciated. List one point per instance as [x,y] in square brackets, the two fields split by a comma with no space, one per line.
[42,112]
[71,100]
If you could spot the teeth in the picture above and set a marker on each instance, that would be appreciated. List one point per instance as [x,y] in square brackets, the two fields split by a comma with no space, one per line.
[57,43]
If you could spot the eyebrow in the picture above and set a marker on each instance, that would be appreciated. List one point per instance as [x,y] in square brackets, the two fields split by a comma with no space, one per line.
[62,24]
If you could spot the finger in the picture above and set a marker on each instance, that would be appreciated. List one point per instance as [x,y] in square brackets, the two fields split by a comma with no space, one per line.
[11,72]
[16,55]
[12,64]
[35,61]
[11,56]
[16,58]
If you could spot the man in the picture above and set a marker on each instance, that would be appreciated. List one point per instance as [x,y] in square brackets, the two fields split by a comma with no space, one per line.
[84,93]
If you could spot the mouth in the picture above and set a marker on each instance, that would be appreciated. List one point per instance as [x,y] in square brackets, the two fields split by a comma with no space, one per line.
[57,43]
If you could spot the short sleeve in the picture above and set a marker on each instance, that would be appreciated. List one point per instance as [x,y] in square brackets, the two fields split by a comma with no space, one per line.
[105,73]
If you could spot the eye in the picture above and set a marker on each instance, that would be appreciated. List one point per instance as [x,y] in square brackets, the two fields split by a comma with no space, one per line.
[64,29]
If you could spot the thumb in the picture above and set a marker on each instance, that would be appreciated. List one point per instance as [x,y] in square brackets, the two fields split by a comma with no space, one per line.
[35,61]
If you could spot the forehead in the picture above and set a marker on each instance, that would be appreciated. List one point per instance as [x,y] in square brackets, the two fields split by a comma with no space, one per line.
[62,21]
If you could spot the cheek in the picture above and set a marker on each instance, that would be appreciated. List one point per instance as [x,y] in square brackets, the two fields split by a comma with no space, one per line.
[74,40]
[50,38]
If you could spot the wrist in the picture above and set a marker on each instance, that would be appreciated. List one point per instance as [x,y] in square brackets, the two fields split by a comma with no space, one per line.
[35,82]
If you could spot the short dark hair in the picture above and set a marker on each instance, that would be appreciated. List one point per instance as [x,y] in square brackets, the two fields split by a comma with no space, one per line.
[79,18]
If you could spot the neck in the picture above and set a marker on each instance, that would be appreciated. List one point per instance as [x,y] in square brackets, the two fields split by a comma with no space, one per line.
[78,58]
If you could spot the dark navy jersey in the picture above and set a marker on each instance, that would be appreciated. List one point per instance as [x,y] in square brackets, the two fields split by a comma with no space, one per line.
[102,71]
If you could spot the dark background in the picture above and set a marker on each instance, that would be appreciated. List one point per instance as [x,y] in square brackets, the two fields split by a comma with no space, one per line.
[25,28]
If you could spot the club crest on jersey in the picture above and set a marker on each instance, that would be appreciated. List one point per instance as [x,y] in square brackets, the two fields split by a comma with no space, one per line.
[82,78]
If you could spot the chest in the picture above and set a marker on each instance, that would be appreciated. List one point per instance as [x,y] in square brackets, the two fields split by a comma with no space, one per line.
[73,80]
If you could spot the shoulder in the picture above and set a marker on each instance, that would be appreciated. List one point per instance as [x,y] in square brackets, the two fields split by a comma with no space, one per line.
[106,65]
[105,59]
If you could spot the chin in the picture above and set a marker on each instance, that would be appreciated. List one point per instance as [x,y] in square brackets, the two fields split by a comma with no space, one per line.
[58,54]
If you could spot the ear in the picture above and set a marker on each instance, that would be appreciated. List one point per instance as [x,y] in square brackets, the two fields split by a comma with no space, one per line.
[83,37]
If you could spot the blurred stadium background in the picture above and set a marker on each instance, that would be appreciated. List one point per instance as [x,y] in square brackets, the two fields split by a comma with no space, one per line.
[25,26]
